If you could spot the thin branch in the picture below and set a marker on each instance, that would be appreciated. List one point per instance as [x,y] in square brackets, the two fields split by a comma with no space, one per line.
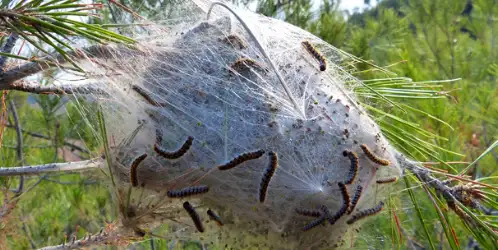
[37,135]
[19,150]
[95,51]
[92,240]
[53,167]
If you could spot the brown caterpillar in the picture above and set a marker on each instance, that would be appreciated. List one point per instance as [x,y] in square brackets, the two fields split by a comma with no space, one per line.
[242,158]
[345,205]
[373,157]
[365,213]
[147,97]
[308,212]
[353,169]
[316,54]
[246,63]
[356,198]
[194,215]
[269,172]
[235,40]
[387,180]
[314,223]
[175,154]
[133,169]
[215,217]
[184,192]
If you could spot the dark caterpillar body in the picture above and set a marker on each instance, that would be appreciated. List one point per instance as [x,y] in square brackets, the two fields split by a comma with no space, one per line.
[316,54]
[147,97]
[356,198]
[246,64]
[353,169]
[194,215]
[215,217]
[175,154]
[308,212]
[345,204]
[241,159]
[185,192]
[269,172]
[387,180]
[235,40]
[373,157]
[314,223]
[133,169]
[366,213]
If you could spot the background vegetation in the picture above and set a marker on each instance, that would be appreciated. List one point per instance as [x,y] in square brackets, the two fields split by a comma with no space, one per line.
[419,39]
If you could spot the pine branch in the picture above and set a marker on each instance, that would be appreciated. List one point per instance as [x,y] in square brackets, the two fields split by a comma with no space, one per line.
[52,167]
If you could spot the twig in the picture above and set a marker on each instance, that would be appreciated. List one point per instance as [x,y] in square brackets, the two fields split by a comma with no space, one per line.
[28,235]
[53,167]
[96,51]
[96,239]
[89,182]
[37,135]
[19,150]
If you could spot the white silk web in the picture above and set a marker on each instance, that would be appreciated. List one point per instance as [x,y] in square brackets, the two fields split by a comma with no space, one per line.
[210,80]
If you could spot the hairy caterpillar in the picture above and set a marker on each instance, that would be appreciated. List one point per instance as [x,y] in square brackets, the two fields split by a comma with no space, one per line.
[215,217]
[147,97]
[246,63]
[356,198]
[314,223]
[242,158]
[373,157]
[269,172]
[308,212]
[194,215]
[345,205]
[387,180]
[235,40]
[365,213]
[353,169]
[133,169]
[175,154]
[316,54]
[189,191]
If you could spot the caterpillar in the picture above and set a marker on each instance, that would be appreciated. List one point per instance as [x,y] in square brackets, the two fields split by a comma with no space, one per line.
[316,54]
[387,180]
[159,136]
[194,215]
[175,154]
[344,192]
[246,63]
[235,40]
[215,217]
[373,157]
[241,159]
[353,169]
[269,172]
[308,212]
[147,97]
[133,169]
[314,223]
[365,213]
[356,198]
[345,205]
[184,192]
